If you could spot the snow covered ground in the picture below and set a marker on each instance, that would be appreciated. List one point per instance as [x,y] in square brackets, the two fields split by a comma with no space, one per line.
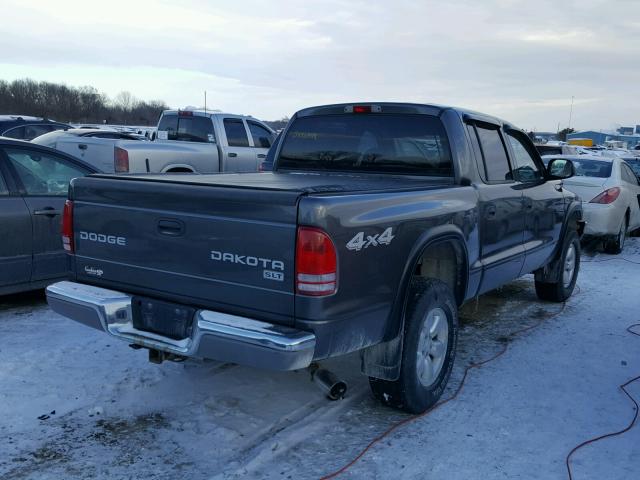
[75,403]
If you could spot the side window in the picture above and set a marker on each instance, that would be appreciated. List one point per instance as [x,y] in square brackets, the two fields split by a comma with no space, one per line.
[628,175]
[526,169]
[17,132]
[43,174]
[169,124]
[495,155]
[262,137]
[3,186]
[33,131]
[475,145]
[236,133]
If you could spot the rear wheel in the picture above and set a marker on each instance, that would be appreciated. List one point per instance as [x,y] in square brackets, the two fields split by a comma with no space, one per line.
[616,244]
[429,347]
[562,289]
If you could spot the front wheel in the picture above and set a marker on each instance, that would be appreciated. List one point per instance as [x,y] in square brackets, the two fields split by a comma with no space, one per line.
[562,289]
[428,350]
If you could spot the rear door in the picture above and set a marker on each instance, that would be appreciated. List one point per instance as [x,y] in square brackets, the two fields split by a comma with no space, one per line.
[500,207]
[544,205]
[15,232]
[43,179]
[238,152]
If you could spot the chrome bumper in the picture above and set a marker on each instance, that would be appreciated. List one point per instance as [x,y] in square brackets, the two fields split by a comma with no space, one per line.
[215,335]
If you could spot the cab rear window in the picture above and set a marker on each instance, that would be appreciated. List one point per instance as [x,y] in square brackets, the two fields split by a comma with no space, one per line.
[187,128]
[376,142]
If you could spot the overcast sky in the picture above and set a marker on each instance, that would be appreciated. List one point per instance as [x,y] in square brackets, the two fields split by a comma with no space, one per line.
[522,61]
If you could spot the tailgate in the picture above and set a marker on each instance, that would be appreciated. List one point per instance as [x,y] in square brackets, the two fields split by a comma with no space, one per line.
[220,247]
[96,151]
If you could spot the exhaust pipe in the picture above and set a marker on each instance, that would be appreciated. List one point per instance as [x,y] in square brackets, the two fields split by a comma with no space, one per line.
[328,382]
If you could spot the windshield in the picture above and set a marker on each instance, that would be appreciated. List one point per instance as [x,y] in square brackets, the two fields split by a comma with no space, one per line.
[385,143]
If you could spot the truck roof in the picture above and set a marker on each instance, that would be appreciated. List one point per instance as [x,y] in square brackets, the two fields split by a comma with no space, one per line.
[401,107]
[206,113]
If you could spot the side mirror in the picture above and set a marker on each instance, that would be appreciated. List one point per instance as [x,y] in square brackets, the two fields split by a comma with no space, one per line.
[560,168]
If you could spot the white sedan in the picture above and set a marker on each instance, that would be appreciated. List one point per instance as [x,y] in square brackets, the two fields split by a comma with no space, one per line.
[610,195]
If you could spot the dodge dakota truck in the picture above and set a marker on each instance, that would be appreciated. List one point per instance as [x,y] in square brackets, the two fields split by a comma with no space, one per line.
[377,221]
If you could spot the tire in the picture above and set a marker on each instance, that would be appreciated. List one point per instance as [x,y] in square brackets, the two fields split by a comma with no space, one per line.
[562,289]
[615,245]
[431,317]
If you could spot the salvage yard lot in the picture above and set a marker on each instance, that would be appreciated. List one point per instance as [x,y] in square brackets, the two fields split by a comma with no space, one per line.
[77,403]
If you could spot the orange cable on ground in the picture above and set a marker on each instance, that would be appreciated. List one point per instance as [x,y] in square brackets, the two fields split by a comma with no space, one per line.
[623,387]
[441,403]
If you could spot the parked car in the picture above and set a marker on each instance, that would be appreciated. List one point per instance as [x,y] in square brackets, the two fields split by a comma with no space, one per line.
[556,149]
[187,141]
[610,195]
[33,187]
[92,145]
[52,138]
[23,127]
[367,235]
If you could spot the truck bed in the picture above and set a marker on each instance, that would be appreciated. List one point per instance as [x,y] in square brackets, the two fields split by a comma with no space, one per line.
[224,242]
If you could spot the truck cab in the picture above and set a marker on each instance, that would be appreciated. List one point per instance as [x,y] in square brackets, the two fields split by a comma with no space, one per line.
[240,142]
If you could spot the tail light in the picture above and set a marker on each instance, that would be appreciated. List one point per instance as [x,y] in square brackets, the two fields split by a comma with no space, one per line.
[67,227]
[316,264]
[608,196]
[120,160]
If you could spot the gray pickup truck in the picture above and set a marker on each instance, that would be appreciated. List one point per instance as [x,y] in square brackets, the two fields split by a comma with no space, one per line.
[377,222]
[187,141]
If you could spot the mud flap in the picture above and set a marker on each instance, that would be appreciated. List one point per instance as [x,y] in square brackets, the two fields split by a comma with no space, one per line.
[383,360]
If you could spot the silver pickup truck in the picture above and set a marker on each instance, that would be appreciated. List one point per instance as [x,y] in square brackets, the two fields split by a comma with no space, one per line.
[187,141]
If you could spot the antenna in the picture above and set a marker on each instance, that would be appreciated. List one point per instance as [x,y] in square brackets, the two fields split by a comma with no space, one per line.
[205,102]
[570,112]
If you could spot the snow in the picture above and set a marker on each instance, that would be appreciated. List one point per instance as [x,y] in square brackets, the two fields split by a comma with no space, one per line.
[111,414]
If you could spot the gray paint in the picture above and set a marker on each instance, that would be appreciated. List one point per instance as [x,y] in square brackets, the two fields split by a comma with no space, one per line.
[257,214]
[31,254]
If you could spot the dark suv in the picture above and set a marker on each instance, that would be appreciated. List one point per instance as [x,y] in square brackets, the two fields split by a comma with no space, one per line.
[28,128]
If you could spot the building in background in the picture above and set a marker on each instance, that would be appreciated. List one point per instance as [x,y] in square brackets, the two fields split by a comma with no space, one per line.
[629,136]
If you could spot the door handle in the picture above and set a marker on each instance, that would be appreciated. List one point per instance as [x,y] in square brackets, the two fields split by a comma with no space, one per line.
[48,212]
[231,154]
[558,186]
[262,155]
[491,211]
[82,146]
[173,228]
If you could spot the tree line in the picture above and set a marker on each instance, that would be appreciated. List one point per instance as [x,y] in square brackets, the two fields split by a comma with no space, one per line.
[76,104]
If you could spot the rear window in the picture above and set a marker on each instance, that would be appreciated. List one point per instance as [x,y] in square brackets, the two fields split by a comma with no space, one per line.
[384,143]
[592,168]
[187,128]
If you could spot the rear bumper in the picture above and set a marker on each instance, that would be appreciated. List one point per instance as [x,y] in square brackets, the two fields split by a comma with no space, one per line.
[602,220]
[215,335]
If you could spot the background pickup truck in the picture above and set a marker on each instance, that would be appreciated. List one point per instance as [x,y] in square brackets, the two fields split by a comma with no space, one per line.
[376,223]
[187,141]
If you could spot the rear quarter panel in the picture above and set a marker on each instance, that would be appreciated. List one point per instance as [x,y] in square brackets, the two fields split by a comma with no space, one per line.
[361,312]
[163,155]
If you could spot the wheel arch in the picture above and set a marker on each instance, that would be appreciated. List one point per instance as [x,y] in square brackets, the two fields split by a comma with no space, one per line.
[384,360]
[178,167]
